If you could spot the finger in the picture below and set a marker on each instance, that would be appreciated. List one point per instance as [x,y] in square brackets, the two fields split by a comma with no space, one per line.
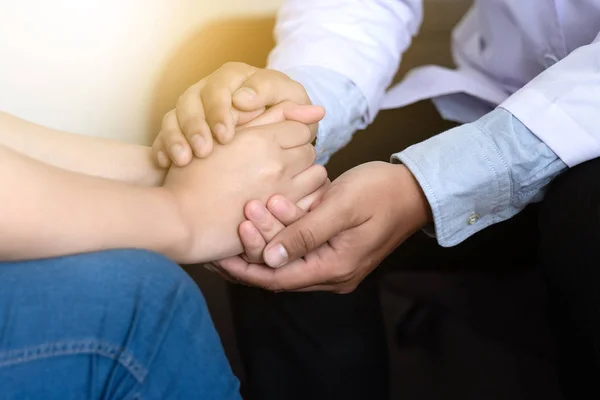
[288,111]
[253,242]
[308,233]
[309,115]
[216,97]
[177,147]
[159,153]
[299,159]
[265,223]
[192,121]
[311,178]
[266,88]
[318,269]
[245,117]
[292,134]
[284,210]
[262,225]
[309,202]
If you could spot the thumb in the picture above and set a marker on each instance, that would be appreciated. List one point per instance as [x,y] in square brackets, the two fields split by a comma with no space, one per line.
[308,233]
[307,114]
[287,111]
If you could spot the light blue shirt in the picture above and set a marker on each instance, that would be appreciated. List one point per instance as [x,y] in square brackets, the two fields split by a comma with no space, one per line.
[475,175]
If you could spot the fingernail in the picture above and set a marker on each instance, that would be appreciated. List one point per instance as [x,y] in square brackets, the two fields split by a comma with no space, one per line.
[163,160]
[177,150]
[278,205]
[220,130]
[198,142]
[258,212]
[276,256]
[244,94]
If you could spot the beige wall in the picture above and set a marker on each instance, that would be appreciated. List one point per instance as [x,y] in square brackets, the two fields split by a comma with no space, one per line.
[113,67]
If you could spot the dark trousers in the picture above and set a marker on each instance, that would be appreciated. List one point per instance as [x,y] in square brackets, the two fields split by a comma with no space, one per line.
[468,322]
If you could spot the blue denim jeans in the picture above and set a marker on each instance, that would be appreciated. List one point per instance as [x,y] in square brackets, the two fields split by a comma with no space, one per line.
[123,324]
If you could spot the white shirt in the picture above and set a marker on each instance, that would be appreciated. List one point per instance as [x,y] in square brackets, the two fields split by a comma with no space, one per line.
[345,53]
[536,58]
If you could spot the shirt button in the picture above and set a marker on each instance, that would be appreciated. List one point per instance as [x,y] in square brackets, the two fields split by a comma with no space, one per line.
[473,218]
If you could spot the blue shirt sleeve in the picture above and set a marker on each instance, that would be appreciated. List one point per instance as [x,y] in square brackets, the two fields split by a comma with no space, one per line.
[481,173]
[345,107]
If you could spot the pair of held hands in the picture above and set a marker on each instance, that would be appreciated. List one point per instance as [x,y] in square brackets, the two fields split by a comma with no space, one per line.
[312,235]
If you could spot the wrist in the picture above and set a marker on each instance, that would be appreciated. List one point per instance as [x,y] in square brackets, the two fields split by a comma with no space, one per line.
[149,173]
[415,203]
[171,234]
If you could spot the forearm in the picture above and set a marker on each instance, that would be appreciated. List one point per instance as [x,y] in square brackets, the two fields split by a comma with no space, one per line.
[86,155]
[48,211]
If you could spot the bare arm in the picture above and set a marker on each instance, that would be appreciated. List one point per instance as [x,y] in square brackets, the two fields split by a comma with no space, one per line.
[87,155]
[48,211]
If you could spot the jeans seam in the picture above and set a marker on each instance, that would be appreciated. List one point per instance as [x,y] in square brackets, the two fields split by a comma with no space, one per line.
[66,348]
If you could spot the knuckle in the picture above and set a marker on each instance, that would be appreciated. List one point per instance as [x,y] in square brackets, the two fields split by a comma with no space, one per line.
[312,154]
[169,117]
[193,125]
[262,84]
[273,171]
[181,101]
[305,240]
[320,171]
[297,87]
[305,129]
[171,136]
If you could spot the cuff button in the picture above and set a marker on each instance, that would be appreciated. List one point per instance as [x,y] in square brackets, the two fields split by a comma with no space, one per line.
[473,218]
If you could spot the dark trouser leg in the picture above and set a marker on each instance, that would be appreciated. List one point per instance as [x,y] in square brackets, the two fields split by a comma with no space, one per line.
[473,324]
[570,260]
[312,345]
[320,345]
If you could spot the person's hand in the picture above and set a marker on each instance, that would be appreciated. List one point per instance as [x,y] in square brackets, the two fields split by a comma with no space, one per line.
[261,161]
[262,226]
[233,95]
[364,215]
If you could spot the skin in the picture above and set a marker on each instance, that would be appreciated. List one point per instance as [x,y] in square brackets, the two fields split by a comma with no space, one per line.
[353,224]
[85,194]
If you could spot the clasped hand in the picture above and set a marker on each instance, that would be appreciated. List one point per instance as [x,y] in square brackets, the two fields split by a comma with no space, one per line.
[310,235]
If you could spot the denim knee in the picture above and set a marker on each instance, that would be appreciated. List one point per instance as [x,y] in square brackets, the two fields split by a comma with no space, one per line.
[122,310]
[114,295]
[127,275]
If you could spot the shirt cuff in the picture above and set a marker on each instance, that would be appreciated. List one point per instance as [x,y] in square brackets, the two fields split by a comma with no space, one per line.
[468,188]
[481,173]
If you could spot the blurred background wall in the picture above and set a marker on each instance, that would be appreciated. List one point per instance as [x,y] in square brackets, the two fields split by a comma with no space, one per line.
[112,68]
